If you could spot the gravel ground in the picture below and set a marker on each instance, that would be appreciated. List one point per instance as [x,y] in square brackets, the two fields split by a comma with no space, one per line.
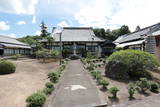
[29,77]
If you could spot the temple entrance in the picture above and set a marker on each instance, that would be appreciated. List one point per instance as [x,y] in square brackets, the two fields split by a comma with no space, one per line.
[1,52]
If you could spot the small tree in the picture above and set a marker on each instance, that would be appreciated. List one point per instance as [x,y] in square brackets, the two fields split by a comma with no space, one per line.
[143,85]
[114,91]
[104,83]
[131,89]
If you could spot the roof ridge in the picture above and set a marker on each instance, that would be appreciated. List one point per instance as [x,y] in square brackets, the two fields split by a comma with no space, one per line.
[142,29]
[7,37]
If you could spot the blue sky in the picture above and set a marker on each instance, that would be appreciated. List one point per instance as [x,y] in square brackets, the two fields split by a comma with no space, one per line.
[22,17]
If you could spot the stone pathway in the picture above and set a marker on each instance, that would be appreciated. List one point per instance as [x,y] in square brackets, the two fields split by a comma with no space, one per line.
[76,89]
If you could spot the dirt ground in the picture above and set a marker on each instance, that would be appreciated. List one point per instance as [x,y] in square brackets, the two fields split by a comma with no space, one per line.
[123,93]
[30,76]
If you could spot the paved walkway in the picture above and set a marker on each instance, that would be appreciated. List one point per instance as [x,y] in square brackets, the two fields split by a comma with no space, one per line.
[76,89]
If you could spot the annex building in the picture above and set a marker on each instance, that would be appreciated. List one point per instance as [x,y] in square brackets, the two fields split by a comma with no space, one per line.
[11,46]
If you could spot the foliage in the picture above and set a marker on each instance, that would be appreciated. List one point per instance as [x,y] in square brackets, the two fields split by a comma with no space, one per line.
[96,75]
[53,76]
[154,86]
[48,91]
[15,57]
[111,35]
[113,91]
[126,64]
[49,85]
[45,53]
[44,32]
[143,85]
[91,67]
[131,89]
[30,39]
[104,83]
[36,100]
[7,67]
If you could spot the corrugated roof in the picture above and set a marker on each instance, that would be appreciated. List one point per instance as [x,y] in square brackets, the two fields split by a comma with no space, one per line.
[70,34]
[12,42]
[130,43]
[15,46]
[138,34]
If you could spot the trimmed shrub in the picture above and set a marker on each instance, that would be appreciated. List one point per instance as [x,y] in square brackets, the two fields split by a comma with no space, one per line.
[126,64]
[49,85]
[131,89]
[143,85]
[91,67]
[104,83]
[114,91]
[48,91]
[7,67]
[154,86]
[36,100]
[53,76]
[15,57]
[96,75]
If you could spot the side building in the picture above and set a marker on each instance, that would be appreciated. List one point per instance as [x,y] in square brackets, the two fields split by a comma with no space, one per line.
[146,39]
[11,46]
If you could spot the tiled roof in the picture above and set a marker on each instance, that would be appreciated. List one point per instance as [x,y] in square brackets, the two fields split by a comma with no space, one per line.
[12,42]
[138,34]
[77,34]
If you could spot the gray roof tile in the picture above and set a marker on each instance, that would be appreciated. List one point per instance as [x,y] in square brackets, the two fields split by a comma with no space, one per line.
[77,34]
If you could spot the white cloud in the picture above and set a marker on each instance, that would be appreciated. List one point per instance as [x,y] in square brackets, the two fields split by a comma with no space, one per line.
[63,24]
[18,6]
[4,25]
[21,22]
[34,19]
[114,13]
[38,32]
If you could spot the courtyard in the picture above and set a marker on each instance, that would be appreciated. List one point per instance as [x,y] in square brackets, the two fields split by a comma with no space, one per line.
[30,76]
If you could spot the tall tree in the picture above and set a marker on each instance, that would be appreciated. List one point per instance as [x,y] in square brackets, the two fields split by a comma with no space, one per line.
[138,28]
[44,32]
[111,35]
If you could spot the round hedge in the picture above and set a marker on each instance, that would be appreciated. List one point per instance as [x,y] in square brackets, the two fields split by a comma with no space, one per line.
[127,64]
[7,67]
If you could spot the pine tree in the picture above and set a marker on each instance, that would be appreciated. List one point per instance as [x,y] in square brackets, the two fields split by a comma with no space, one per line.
[44,32]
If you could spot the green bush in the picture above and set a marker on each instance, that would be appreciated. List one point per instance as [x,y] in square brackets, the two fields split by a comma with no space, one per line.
[15,57]
[91,67]
[7,67]
[104,83]
[143,85]
[48,91]
[36,100]
[154,86]
[96,75]
[53,76]
[131,89]
[49,85]
[114,91]
[126,64]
